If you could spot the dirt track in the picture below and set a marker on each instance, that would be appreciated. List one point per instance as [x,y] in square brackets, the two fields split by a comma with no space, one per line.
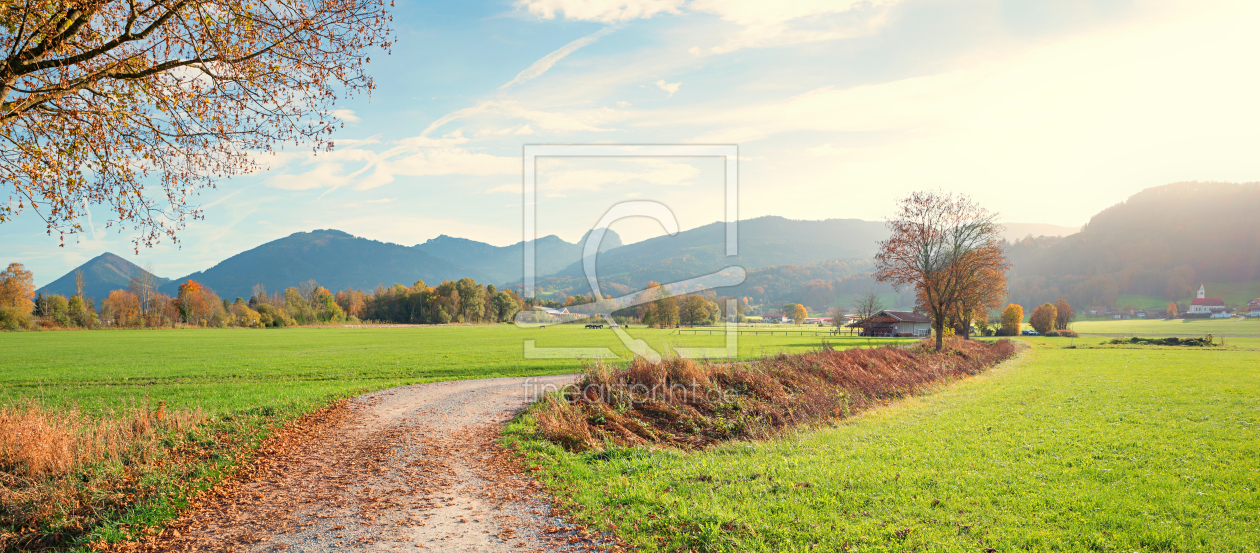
[406,468]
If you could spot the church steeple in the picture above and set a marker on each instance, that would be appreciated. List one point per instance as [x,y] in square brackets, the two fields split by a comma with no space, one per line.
[1202,292]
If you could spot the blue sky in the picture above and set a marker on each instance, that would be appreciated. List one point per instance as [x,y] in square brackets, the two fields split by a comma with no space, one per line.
[1044,111]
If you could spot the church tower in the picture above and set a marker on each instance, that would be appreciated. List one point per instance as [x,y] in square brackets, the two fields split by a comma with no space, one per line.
[1202,292]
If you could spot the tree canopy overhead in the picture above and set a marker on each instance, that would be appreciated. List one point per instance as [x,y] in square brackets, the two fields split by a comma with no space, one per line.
[139,104]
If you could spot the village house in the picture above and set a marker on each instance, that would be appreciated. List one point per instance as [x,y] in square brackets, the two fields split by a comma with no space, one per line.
[1253,308]
[900,324]
[1221,313]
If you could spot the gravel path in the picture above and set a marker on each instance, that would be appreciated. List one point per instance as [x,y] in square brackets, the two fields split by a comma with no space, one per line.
[406,468]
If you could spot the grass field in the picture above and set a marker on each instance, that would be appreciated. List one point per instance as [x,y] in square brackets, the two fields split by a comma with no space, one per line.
[225,370]
[1107,449]
[242,384]
[1175,327]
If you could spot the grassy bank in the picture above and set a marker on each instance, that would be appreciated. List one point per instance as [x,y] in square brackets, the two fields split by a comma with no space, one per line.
[1064,449]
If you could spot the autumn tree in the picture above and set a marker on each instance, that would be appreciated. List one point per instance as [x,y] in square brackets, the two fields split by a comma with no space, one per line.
[1065,314]
[139,104]
[867,304]
[837,316]
[17,288]
[799,314]
[693,310]
[122,308]
[942,245]
[1043,318]
[143,285]
[1012,318]
[1172,310]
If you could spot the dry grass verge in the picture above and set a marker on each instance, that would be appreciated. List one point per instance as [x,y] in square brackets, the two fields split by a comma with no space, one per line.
[75,480]
[60,469]
[683,404]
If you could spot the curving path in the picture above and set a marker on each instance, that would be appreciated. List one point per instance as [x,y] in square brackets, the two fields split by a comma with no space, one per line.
[410,468]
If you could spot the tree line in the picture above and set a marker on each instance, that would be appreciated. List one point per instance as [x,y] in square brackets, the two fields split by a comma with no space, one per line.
[141,305]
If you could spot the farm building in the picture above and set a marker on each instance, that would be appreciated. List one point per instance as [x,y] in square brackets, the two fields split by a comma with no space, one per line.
[1253,308]
[897,324]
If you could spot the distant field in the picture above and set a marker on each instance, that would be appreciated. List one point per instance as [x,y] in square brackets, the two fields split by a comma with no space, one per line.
[1175,327]
[1108,449]
[226,370]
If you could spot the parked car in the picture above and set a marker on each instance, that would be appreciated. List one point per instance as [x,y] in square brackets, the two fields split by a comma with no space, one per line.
[1030,333]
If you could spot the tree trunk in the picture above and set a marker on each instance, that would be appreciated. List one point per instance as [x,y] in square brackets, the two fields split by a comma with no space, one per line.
[940,335]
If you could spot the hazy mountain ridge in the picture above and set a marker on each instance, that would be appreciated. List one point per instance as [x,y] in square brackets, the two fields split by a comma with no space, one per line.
[503,264]
[1160,242]
[763,242]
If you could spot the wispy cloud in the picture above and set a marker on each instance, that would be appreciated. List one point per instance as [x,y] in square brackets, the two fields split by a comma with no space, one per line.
[548,61]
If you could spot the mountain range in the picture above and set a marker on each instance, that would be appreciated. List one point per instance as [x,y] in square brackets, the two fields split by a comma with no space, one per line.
[1158,243]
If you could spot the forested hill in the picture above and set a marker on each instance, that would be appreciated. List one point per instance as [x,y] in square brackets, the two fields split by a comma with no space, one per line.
[504,263]
[101,275]
[334,259]
[1161,242]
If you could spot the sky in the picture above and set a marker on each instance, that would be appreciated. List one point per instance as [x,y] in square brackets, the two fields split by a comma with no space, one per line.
[1045,112]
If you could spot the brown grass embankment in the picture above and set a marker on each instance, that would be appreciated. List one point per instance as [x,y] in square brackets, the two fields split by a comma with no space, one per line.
[684,404]
[61,469]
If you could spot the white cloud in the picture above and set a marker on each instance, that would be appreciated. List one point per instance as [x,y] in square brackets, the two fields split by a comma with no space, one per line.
[767,24]
[514,111]
[510,188]
[608,11]
[322,176]
[439,161]
[671,88]
[558,176]
[346,115]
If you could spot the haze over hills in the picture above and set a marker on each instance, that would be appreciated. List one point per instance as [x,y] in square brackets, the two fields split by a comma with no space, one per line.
[101,275]
[1162,242]
[1018,231]
[763,242]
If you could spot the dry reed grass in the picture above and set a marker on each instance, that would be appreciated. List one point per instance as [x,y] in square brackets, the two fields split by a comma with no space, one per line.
[60,469]
[684,404]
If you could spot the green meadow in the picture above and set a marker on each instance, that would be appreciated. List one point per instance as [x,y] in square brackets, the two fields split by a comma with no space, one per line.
[1175,327]
[1086,449]
[232,369]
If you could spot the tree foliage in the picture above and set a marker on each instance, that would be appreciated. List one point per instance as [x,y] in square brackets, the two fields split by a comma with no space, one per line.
[1064,314]
[17,288]
[1043,318]
[949,249]
[1012,318]
[100,99]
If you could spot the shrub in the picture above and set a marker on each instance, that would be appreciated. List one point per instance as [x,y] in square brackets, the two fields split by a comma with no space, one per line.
[1064,333]
[680,403]
[14,318]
